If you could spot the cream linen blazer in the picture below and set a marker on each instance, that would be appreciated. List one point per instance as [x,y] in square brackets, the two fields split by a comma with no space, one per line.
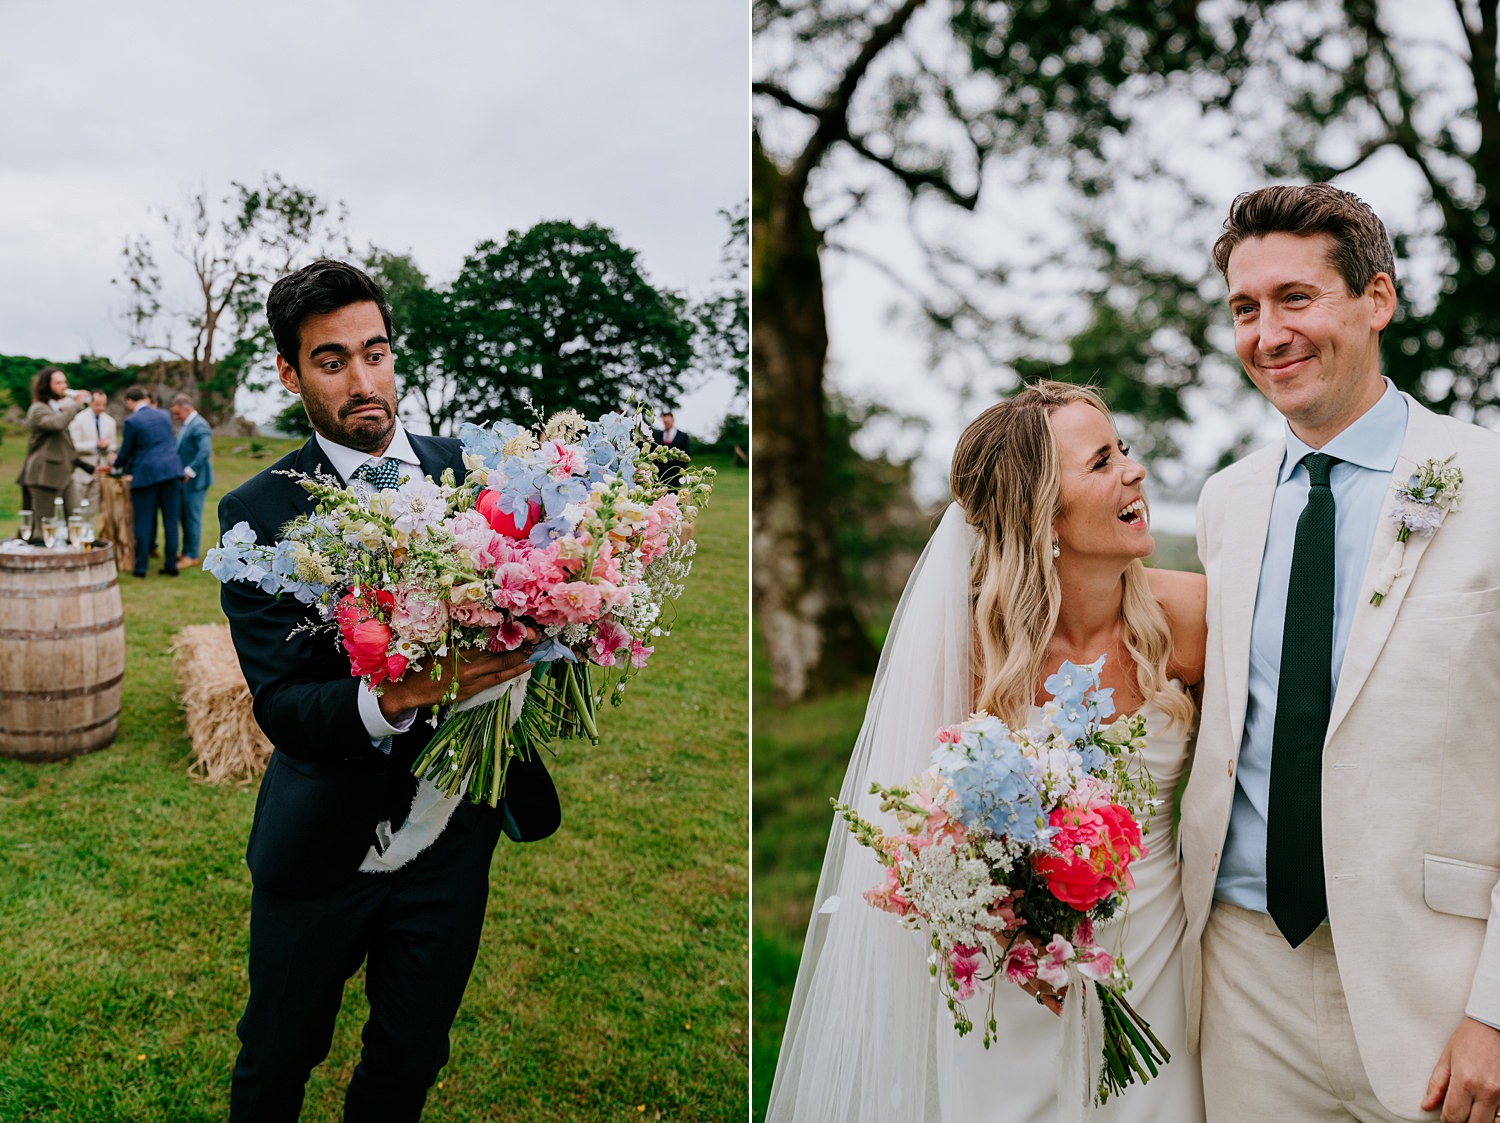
[1411,764]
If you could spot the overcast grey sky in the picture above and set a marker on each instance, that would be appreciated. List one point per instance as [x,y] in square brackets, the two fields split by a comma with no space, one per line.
[438,125]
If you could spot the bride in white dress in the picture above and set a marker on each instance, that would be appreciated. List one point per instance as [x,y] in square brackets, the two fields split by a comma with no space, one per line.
[1036,561]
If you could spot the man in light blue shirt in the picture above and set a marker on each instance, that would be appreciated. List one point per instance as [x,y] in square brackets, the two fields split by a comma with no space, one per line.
[1340,832]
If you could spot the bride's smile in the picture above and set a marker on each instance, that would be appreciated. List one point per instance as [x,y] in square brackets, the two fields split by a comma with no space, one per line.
[1103,502]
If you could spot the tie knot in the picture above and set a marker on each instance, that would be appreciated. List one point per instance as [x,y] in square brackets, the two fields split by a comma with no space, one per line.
[1318,466]
[380,474]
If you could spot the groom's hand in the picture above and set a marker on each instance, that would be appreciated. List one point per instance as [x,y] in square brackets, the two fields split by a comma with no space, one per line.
[1466,1081]
[476,671]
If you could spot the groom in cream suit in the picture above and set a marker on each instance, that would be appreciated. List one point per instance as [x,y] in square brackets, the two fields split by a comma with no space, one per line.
[1342,954]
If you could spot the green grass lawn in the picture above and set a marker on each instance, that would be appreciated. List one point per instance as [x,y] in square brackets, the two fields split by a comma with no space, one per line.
[611,982]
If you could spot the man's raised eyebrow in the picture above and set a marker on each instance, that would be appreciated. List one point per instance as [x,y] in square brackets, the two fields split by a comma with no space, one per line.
[340,349]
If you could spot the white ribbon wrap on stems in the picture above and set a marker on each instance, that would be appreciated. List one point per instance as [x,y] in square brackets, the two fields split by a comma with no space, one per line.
[430,809]
[1390,571]
[1082,1059]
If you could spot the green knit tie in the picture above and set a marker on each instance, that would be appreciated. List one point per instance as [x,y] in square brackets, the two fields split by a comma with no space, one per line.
[1295,893]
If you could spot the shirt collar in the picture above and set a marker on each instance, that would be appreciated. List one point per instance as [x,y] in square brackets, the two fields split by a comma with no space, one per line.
[346,460]
[1373,441]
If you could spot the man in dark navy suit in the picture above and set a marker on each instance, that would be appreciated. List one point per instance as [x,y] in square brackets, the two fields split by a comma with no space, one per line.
[672,437]
[148,453]
[339,786]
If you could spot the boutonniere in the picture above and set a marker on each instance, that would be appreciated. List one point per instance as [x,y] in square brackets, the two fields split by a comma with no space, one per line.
[1422,503]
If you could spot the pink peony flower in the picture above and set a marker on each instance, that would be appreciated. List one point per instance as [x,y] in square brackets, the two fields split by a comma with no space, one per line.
[366,637]
[418,618]
[576,602]
[1094,848]
[478,615]
[474,535]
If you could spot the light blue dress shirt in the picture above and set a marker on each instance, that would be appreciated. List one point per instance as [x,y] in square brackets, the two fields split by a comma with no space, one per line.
[1368,450]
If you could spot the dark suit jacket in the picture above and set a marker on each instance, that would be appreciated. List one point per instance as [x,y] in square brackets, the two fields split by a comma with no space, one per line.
[680,440]
[148,450]
[326,786]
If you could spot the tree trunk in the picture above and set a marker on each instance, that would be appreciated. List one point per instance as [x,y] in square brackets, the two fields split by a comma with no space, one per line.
[807,622]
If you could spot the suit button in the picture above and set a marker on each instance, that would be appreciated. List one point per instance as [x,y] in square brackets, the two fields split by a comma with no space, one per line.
[1231,770]
[1215,864]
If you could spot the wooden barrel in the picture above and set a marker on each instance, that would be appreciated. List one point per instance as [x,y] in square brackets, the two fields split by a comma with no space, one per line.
[62,652]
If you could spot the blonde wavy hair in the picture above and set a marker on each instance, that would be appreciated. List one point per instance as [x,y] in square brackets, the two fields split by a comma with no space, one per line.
[1005,477]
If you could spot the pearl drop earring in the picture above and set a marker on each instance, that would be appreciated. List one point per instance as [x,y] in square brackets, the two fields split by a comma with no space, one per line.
[1055,549]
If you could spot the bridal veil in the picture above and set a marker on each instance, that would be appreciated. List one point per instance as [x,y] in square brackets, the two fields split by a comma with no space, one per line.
[860,1037]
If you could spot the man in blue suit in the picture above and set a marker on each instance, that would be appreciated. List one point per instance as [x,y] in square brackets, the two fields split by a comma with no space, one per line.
[148,454]
[195,450]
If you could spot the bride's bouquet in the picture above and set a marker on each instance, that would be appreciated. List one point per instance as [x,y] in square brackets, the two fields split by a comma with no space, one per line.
[1012,847]
[568,532]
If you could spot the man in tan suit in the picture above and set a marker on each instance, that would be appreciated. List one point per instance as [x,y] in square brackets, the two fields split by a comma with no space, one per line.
[1341,830]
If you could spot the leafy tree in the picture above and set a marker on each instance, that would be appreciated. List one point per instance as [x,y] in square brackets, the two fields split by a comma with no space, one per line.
[853,101]
[1354,93]
[721,340]
[420,318]
[213,319]
[559,316]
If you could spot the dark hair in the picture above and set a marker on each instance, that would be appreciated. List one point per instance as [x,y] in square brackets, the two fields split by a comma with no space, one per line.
[41,385]
[136,394]
[315,290]
[1361,246]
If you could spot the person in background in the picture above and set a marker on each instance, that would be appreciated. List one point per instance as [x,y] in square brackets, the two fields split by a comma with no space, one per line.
[672,437]
[195,450]
[48,467]
[94,436]
[148,453]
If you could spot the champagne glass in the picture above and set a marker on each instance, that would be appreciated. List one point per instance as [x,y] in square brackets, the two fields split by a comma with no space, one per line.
[75,530]
[25,528]
[49,533]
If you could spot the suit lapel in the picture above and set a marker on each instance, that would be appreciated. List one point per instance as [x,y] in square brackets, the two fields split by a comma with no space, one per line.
[1372,624]
[1248,517]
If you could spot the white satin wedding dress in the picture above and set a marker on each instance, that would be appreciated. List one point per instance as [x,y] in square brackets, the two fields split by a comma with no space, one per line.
[868,1038]
[1009,1081]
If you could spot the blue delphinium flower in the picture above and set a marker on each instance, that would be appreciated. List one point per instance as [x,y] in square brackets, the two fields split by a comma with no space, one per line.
[993,781]
[1079,704]
[550,650]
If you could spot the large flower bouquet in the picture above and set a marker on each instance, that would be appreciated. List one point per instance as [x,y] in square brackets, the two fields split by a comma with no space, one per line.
[567,533]
[1012,847]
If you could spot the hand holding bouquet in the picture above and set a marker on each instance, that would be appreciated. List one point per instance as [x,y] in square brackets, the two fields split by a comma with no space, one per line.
[566,535]
[1012,847]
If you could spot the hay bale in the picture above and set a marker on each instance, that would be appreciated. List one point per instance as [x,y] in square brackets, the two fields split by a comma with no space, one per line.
[228,747]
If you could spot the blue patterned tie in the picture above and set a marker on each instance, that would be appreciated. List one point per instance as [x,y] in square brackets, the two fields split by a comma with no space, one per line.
[1296,896]
[380,474]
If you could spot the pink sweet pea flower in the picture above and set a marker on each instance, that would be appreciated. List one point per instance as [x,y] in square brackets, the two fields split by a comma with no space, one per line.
[563,460]
[1052,964]
[639,653]
[1095,963]
[1020,962]
[887,897]
[609,638]
[964,962]
[508,635]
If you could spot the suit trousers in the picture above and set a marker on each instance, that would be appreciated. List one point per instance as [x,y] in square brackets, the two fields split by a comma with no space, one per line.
[84,487]
[191,506]
[145,502]
[1277,1043]
[417,931]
